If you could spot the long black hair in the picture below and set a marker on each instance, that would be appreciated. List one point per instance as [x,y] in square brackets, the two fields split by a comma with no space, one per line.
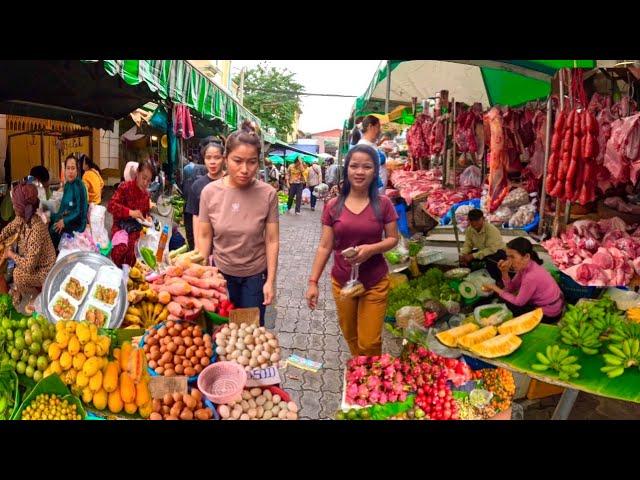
[373,187]
[524,247]
[84,159]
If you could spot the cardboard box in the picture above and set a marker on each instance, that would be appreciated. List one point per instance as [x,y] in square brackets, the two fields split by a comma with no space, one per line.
[245,315]
[538,389]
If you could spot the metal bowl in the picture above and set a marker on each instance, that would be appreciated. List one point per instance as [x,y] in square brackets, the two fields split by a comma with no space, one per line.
[63,267]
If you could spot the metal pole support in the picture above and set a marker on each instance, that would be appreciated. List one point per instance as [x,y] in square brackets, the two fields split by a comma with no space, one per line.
[565,405]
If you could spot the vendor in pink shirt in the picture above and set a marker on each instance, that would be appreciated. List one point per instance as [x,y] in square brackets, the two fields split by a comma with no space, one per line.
[532,287]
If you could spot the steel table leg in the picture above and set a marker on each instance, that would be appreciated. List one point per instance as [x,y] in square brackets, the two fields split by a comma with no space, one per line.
[565,405]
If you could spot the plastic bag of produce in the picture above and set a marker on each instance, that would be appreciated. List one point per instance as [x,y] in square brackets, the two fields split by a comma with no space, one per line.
[523,216]
[406,315]
[516,198]
[353,288]
[501,215]
[428,255]
[400,254]
[492,314]
[471,177]
[397,279]
[452,307]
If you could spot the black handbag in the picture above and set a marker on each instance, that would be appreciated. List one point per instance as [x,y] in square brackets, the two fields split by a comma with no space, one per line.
[130,225]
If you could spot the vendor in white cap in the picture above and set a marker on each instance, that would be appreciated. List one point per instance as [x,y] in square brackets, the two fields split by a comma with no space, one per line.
[314,178]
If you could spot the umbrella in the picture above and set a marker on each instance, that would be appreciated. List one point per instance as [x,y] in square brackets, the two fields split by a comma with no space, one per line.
[490,82]
[276,159]
[293,156]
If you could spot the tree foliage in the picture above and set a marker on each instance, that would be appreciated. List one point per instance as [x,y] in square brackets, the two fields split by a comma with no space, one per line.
[275,110]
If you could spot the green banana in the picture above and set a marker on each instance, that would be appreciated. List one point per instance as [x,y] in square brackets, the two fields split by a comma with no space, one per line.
[615,373]
[540,367]
[543,360]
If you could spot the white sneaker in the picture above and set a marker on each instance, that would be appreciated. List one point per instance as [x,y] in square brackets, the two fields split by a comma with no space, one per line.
[298,213]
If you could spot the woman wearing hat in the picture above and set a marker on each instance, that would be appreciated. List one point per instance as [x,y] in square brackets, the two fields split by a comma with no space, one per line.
[35,255]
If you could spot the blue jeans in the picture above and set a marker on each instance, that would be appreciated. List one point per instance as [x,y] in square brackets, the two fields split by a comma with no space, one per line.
[246,292]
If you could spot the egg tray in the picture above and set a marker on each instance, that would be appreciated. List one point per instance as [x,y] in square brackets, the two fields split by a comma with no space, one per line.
[191,379]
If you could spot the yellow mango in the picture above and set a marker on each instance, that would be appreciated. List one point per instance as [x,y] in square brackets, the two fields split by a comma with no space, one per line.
[82,380]
[78,360]
[84,333]
[70,327]
[94,332]
[70,376]
[127,388]
[99,399]
[55,367]
[62,339]
[91,366]
[66,361]
[90,349]
[125,355]
[102,346]
[95,382]
[87,395]
[60,325]
[115,402]
[74,345]
[54,351]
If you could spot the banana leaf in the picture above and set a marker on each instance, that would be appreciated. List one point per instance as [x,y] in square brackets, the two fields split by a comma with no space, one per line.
[591,380]
[120,335]
[51,385]
[8,376]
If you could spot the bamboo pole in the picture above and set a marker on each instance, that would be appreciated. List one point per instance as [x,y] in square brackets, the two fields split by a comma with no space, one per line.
[567,207]
[556,219]
[547,148]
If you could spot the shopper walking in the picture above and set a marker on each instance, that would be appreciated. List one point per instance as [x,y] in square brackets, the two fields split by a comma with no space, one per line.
[239,218]
[361,220]
[331,177]
[295,184]
[213,154]
[190,173]
[314,179]
[370,134]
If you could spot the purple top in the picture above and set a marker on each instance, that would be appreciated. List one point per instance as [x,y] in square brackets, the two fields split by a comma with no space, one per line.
[535,286]
[351,230]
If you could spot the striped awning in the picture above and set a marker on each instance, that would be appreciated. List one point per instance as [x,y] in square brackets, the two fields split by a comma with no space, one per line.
[180,82]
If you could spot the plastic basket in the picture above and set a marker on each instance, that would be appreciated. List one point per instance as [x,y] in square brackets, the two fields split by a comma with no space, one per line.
[573,291]
[192,379]
[222,382]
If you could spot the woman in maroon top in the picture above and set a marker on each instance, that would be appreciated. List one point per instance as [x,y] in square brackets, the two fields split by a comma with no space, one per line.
[130,203]
[358,218]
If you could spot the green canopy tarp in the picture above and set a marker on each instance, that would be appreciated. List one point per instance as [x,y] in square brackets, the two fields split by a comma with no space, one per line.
[276,159]
[490,82]
[291,157]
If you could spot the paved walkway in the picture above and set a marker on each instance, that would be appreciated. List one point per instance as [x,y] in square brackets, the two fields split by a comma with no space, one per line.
[315,335]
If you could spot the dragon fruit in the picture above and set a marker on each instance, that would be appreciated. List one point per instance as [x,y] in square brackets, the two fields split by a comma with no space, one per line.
[362,402]
[374,397]
[393,397]
[398,388]
[422,352]
[375,359]
[352,390]
[389,372]
[373,383]
[387,384]
[363,391]
[383,398]
[399,378]
[403,396]
[361,360]
[357,374]
[386,360]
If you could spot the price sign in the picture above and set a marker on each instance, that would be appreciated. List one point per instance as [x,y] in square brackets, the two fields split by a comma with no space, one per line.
[262,377]
[159,386]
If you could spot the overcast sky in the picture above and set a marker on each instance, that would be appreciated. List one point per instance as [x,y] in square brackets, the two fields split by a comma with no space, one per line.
[343,77]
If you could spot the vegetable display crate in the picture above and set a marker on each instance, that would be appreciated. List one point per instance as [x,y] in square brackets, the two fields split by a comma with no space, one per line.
[573,291]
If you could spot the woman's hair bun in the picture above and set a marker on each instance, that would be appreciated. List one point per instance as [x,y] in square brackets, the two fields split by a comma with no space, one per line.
[250,127]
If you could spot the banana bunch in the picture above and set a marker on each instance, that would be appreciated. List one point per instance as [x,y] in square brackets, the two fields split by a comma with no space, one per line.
[137,296]
[633,315]
[146,314]
[584,336]
[608,324]
[575,315]
[622,356]
[558,359]
[625,331]
[136,279]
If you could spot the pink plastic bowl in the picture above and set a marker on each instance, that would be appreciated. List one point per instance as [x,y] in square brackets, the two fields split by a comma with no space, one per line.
[222,382]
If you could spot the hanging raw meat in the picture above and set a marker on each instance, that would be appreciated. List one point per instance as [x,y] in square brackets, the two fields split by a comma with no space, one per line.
[498,181]
[621,157]
[536,163]
[416,138]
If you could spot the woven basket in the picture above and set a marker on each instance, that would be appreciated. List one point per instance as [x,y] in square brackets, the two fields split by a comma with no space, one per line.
[222,382]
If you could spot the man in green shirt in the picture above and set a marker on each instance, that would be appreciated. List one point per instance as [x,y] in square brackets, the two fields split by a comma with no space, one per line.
[483,243]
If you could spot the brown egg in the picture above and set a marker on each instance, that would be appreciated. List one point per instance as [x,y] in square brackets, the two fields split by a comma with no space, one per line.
[197,331]
[169,372]
[167,356]
[159,370]
[196,394]
[173,332]
[204,361]
[162,349]
[172,347]
[189,401]
[185,333]
[146,348]
[189,372]
[198,368]
[198,341]
[157,405]
[208,343]
[171,417]
[208,352]
[188,341]
[167,399]
[200,353]
[170,324]
[179,369]
[178,327]
[178,341]
[165,410]
[186,414]
[179,404]
[155,416]
[177,397]
[152,340]
[162,332]
[202,414]
[175,411]
[194,360]
[153,364]
[190,351]
[190,328]
[181,349]
[161,362]
[186,363]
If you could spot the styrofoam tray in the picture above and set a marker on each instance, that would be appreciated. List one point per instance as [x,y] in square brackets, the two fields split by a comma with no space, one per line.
[99,303]
[99,306]
[109,276]
[63,289]
[53,302]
